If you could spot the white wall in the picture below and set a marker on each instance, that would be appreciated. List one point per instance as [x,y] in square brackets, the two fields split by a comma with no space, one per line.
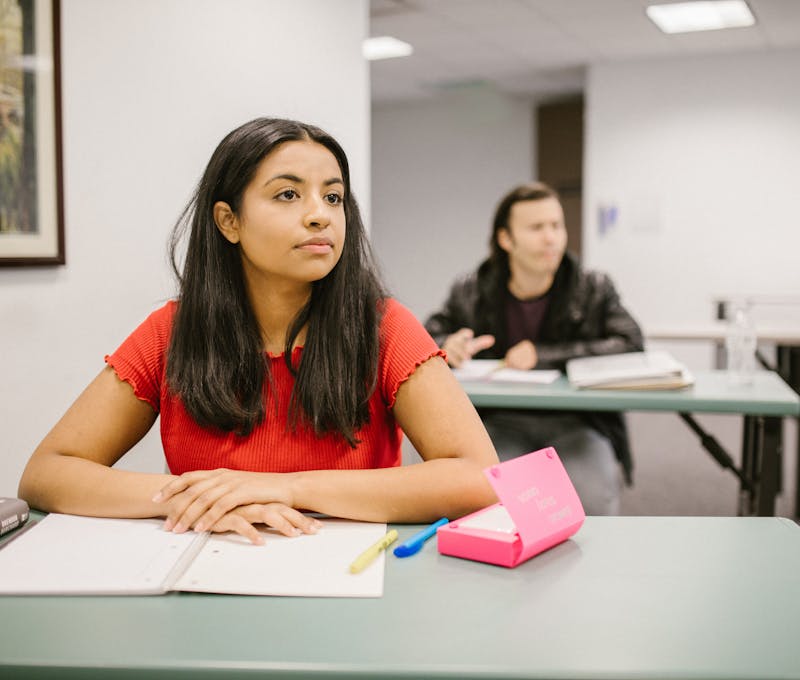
[439,167]
[700,156]
[149,89]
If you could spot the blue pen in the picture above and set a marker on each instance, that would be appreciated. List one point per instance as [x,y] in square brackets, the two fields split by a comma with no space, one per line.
[413,544]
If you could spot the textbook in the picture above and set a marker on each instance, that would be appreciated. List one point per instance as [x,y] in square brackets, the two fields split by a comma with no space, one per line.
[71,555]
[651,370]
[494,370]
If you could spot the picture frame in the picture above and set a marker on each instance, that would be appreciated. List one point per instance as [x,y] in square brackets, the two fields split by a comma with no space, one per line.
[31,188]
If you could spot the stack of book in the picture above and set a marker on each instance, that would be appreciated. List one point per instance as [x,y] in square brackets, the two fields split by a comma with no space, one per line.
[653,370]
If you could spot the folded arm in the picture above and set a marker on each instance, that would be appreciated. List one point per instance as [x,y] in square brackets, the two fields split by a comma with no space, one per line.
[70,471]
[440,422]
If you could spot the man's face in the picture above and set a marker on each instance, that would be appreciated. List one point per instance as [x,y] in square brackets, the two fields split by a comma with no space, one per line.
[536,237]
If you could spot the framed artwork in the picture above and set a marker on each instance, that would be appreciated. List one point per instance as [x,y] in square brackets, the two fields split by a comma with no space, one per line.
[31,201]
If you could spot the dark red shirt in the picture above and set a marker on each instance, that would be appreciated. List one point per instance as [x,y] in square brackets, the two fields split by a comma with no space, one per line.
[272,447]
[524,318]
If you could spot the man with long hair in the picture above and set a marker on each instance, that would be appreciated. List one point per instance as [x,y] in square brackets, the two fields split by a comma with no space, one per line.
[531,304]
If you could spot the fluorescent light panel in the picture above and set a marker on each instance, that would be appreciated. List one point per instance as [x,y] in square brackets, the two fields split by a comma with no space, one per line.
[385,47]
[712,15]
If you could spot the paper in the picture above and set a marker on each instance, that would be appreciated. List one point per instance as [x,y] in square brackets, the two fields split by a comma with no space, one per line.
[70,555]
[493,370]
[534,377]
[312,565]
[631,370]
[477,369]
[495,518]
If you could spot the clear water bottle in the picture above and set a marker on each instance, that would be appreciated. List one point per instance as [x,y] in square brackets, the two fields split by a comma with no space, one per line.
[740,346]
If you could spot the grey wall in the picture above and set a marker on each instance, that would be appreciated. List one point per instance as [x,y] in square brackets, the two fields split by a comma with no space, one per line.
[699,155]
[149,89]
[438,169]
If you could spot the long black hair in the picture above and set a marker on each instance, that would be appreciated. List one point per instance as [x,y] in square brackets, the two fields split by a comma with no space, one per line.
[494,272]
[532,191]
[216,362]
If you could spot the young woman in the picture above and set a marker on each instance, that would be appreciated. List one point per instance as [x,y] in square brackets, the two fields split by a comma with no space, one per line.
[282,374]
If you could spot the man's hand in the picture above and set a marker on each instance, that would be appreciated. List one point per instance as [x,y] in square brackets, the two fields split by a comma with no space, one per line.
[462,345]
[522,356]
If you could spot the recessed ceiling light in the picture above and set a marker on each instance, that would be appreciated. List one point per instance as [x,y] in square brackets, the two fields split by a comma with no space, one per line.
[385,47]
[712,15]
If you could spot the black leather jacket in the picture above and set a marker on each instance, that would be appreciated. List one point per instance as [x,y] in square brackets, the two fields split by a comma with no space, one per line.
[584,317]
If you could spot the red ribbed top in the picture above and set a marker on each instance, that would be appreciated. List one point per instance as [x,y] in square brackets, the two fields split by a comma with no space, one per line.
[272,446]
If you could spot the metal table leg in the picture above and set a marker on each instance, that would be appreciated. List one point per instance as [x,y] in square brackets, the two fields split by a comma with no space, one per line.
[762,453]
[749,463]
[788,360]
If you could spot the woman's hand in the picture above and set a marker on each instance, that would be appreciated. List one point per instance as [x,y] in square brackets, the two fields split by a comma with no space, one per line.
[281,517]
[200,499]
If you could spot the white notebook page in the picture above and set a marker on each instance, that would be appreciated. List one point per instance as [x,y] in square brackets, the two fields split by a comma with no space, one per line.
[310,565]
[66,554]
[70,555]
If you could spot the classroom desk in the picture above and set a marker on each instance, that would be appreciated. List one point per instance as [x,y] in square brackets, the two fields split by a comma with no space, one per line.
[716,331]
[785,339]
[762,404]
[626,597]
[787,355]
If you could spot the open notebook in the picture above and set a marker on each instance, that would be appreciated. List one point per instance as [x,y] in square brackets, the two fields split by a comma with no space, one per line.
[632,370]
[70,555]
[493,370]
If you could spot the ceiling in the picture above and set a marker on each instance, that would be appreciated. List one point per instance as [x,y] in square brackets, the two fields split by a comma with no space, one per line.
[540,48]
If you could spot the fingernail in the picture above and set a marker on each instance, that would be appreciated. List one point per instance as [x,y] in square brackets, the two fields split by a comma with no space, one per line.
[168,525]
[179,528]
[200,526]
[296,532]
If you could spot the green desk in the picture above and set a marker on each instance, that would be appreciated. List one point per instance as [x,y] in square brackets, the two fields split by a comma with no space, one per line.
[626,597]
[763,404]
[787,353]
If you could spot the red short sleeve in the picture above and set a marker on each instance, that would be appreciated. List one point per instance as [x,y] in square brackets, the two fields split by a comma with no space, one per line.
[141,359]
[405,344]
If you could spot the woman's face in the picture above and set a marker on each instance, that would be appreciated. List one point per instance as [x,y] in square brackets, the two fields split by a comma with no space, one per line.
[291,223]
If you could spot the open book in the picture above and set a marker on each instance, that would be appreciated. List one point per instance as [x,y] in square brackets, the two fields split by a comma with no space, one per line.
[70,555]
[632,370]
[494,370]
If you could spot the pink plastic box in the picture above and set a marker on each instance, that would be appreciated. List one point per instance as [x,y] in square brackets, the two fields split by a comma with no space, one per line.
[538,509]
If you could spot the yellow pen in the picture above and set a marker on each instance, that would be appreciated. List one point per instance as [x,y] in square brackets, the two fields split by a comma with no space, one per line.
[366,557]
